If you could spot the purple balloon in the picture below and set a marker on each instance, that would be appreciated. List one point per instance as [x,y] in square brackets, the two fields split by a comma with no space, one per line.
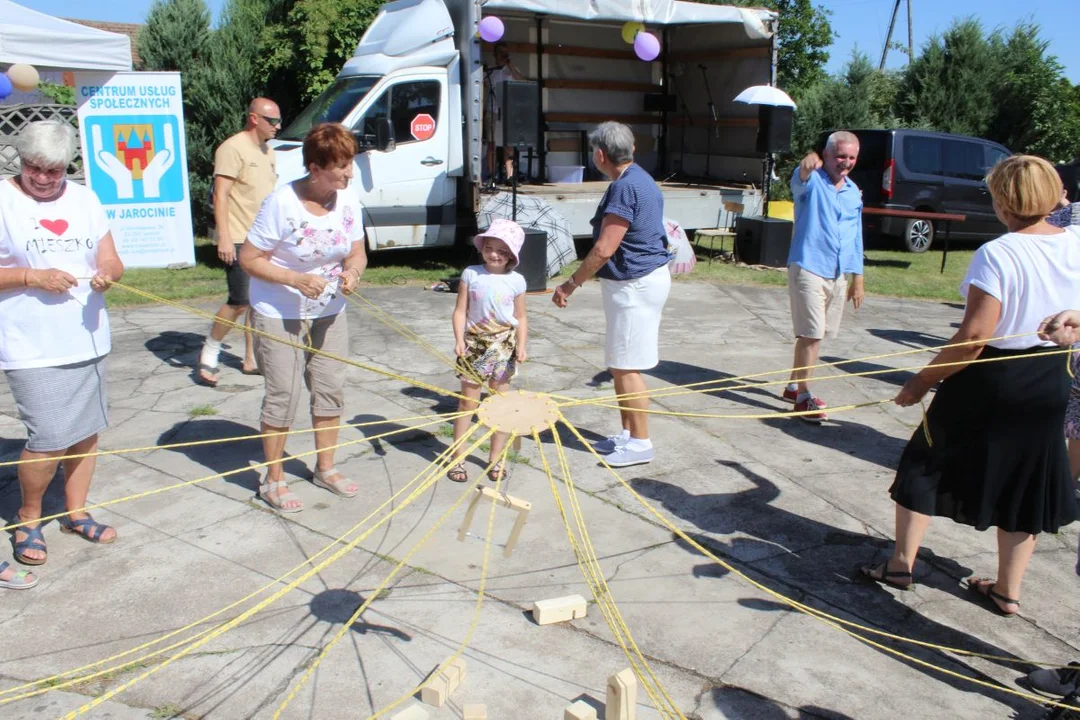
[646,46]
[491,29]
[5,86]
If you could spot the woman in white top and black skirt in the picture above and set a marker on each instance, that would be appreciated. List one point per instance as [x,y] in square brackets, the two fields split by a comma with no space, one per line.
[995,455]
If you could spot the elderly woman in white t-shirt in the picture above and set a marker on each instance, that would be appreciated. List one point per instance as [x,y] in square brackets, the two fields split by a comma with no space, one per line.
[994,456]
[305,250]
[57,257]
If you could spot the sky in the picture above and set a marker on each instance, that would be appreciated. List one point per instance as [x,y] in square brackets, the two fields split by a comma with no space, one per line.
[859,24]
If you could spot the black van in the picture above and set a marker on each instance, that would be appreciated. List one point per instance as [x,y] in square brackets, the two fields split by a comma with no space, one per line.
[929,171]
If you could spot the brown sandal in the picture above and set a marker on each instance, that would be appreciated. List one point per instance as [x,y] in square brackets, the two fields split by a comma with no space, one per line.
[458,473]
[497,473]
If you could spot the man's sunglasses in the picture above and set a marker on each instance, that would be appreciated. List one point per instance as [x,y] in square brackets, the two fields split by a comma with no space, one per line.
[275,121]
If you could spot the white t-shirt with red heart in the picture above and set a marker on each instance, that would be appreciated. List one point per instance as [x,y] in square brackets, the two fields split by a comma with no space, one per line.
[39,328]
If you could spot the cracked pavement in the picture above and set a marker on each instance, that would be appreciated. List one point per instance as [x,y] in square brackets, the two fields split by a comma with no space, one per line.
[793,506]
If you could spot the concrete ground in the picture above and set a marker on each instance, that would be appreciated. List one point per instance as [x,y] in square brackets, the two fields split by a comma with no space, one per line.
[793,506]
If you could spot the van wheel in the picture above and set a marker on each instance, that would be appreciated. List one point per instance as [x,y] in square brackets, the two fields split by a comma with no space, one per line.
[918,235]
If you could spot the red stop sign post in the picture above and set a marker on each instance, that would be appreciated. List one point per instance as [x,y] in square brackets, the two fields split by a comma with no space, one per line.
[422,127]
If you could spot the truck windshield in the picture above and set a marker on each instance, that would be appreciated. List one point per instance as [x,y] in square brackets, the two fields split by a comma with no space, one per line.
[331,106]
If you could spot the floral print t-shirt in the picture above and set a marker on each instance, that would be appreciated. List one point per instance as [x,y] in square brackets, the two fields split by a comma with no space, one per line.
[305,243]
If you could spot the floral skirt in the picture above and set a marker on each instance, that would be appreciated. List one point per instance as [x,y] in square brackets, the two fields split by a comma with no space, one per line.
[490,354]
[1072,410]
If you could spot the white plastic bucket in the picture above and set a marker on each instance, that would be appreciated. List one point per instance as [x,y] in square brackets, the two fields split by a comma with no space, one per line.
[566,173]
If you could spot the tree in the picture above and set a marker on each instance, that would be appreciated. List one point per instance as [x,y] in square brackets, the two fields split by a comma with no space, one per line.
[950,86]
[308,44]
[175,36]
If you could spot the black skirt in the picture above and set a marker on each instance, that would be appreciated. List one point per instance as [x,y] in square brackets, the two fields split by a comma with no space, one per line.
[998,456]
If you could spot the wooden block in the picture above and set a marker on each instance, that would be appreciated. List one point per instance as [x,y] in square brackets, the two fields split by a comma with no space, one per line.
[413,712]
[439,687]
[621,696]
[579,710]
[474,712]
[571,607]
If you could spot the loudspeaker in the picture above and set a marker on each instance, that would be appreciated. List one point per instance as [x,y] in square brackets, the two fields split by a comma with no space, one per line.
[763,241]
[520,113]
[774,129]
[533,260]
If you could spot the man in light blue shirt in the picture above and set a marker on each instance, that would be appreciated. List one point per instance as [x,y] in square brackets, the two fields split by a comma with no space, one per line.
[826,247]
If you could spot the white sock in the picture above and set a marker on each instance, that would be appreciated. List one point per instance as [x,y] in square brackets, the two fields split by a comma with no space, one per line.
[793,387]
[804,396]
[210,350]
[623,437]
[638,444]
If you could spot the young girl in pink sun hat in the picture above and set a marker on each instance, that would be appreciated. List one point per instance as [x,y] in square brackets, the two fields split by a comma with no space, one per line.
[490,330]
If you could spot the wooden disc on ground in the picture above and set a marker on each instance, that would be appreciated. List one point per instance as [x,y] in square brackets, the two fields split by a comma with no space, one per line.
[518,412]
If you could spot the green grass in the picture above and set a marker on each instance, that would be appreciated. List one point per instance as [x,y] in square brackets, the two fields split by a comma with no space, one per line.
[892,273]
[202,411]
[164,712]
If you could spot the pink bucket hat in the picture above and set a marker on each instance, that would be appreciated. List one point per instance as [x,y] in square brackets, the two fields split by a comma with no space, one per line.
[506,230]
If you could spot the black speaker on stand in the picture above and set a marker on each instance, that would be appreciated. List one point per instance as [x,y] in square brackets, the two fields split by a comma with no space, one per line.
[521,125]
[763,241]
[774,136]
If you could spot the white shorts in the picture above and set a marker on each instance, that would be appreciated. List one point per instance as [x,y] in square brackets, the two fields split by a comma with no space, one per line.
[632,310]
[817,303]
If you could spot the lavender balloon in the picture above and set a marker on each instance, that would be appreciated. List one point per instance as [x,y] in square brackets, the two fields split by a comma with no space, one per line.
[646,46]
[491,29]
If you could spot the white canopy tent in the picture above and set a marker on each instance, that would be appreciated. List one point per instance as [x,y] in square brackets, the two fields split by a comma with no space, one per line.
[51,44]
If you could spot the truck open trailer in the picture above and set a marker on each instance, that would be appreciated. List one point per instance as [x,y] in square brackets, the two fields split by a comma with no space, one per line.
[414,92]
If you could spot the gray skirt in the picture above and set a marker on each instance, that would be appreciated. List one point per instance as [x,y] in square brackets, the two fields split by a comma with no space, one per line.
[62,405]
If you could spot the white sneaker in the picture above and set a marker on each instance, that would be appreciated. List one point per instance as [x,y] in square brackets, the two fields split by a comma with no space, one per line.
[609,445]
[623,456]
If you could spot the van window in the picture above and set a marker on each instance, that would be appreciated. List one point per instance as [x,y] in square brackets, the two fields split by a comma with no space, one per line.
[994,155]
[333,105]
[965,160]
[401,103]
[923,155]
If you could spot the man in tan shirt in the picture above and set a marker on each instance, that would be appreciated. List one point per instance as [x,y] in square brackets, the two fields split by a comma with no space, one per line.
[244,174]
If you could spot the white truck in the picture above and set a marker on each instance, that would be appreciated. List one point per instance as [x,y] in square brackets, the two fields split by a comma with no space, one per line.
[414,94]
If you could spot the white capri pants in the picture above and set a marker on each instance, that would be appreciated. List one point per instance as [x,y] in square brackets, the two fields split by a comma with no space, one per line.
[632,310]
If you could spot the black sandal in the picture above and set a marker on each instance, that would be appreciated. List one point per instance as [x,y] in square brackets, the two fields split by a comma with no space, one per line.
[988,596]
[458,473]
[866,572]
[497,473]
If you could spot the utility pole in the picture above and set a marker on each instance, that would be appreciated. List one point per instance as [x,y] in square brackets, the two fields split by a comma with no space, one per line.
[888,38]
[910,35]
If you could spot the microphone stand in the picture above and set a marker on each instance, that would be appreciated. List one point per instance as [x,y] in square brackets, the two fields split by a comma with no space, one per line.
[715,123]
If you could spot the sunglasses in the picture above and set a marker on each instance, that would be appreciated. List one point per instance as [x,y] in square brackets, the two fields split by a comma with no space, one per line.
[275,121]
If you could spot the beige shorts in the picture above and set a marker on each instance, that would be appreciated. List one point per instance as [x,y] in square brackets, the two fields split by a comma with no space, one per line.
[286,368]
[817,303]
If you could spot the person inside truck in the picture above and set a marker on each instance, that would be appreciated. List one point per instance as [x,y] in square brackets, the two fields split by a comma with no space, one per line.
[826,248]
[989,452]
[503,70]
[630,257]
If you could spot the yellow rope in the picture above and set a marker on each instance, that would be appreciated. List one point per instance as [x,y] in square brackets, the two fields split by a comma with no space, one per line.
[299,346]
[424,487]
[228,473]
[480,593]
[819,614]
[312,666]
[52,683]
[216,441]
[697,387]
[605,600]
[605,402]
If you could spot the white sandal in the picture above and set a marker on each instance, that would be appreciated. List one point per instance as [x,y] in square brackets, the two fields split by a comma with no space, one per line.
[284,495]
[322,479]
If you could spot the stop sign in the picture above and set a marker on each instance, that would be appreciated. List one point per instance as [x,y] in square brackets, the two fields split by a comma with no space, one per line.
[422,126]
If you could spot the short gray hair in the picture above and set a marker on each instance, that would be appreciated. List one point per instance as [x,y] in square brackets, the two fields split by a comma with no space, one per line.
[616,140]
[841,137]
[48,143]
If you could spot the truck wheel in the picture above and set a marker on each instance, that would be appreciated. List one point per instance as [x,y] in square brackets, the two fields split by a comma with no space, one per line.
[918,235]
